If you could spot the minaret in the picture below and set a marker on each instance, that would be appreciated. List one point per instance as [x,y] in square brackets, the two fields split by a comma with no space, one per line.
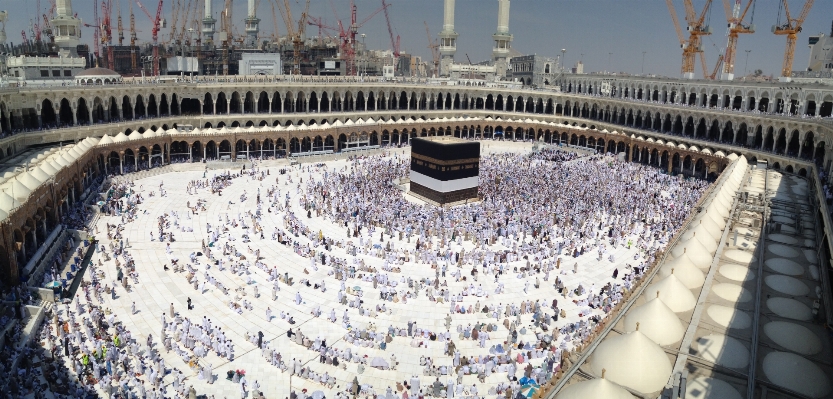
[448,40]
[252,26]
[3,16]
[503,39]
[208,24]
[66,27]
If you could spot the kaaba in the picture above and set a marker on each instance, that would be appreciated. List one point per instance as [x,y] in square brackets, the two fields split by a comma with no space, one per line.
[445,169]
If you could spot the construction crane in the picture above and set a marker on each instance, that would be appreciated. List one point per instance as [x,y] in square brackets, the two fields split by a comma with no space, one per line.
[790,28]
[157,23]
[735,18]
[225,21]
[295,35]
[47,29]
[696,29]
[36,28]
[120,27]
[132,39]
[348,36]
[23,35]
[713,76]
[184,27]
[96,31]
[275,35]
[394,43]
[435,49]
[175,5]
[106,31]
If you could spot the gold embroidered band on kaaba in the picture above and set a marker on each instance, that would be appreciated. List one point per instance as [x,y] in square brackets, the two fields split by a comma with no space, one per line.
[445,163]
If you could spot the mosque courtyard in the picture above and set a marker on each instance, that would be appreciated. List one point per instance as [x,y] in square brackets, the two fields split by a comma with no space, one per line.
[490,291]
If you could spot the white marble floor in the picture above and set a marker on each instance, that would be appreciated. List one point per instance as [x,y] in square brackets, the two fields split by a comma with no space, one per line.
[158,288]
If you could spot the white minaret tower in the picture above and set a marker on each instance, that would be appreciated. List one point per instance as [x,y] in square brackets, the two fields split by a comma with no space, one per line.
[66,27]
[3,16]
[448,40]
[252,26]
[503,39]
[208,24]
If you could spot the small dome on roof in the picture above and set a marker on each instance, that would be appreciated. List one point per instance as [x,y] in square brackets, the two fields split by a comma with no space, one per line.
[105,140]
[7,202]
[97,72]
[39,174]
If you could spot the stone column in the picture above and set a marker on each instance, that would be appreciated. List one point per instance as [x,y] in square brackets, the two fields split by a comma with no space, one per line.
[121,162]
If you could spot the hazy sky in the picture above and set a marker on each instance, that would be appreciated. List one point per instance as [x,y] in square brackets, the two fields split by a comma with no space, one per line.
[595,28]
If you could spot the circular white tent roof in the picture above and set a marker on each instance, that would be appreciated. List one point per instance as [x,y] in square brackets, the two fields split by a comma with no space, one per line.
[710,388]
[593,389]
[796,373]
[656,321]
[673,294]
[632,360]
[723,350]
[793,337]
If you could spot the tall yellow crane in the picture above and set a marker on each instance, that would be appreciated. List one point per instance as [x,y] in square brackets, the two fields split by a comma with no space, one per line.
[790,28]
[720,59]
[186,20]
[696,28]
[133,54]
[295,35]
[435,50]
[735,18]
[275,35]
[226,22]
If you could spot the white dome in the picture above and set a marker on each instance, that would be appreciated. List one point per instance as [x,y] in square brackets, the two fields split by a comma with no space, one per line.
[656,321]
[688,274]
[7,202]
[17,190]
[695,253]
[796,373]
[701,233]
[729,317]
[723,350]
[632,360]
[793,337]
[47,168]
[686,247]
[135,135]
[732,292]
[710,388]
[789,308]
[39,174]
[105,140]
[120,138]
[29,181]
[673,294]
[593,389]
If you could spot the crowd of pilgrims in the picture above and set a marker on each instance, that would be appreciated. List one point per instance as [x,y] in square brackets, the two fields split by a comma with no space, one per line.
[536,211]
